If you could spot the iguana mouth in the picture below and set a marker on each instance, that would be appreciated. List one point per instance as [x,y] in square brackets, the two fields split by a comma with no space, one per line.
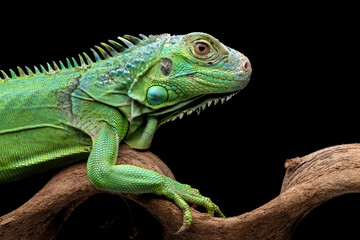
[196,104]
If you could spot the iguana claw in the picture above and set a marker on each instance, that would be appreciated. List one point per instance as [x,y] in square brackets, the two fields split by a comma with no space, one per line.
[183,228]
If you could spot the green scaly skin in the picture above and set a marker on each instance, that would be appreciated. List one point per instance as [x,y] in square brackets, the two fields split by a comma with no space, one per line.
[55,117]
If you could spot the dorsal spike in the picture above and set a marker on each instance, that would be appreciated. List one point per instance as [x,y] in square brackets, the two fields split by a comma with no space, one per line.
[133,39]
[62,66]
[30,73]
[143,36]
[56,66]
[68,63]
[49,67]
[82,63]
[12,73]
[103,52]
[87,58]
[21,72]
[111,50]
[4,75]
[75,63]
[127,42]
[117,45]
[43,70]
[36,70]
[97,57]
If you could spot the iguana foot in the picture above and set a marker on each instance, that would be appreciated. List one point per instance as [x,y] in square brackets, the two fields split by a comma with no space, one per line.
[182,194]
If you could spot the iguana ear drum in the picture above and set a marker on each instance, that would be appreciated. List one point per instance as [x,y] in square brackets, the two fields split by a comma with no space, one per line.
[157,95]
[166,66]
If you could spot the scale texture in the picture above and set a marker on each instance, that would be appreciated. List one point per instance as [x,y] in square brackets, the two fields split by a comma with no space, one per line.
[56,115]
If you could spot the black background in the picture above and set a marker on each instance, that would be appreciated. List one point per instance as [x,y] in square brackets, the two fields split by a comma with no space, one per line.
[303,94]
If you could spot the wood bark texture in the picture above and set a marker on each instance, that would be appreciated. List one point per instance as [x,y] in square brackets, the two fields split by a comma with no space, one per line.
[309,181]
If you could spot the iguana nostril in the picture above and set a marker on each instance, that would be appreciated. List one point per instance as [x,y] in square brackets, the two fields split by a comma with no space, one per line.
[247,65]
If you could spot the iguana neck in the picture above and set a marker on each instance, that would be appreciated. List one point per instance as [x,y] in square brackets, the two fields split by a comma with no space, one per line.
[108,81]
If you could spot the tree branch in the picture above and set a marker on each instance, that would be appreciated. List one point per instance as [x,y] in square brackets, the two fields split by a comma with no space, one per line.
[309,181]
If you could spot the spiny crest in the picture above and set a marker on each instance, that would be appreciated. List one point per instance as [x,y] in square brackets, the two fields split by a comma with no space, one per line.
[106,51]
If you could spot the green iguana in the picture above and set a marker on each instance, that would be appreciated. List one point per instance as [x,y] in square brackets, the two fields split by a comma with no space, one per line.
[54,117]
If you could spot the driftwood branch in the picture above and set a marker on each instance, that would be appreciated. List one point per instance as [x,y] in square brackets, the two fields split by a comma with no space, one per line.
[309,181]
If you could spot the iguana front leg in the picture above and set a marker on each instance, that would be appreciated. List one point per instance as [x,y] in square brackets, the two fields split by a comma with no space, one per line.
[104,174]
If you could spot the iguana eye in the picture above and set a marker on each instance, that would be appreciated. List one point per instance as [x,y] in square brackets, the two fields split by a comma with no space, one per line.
[201,48]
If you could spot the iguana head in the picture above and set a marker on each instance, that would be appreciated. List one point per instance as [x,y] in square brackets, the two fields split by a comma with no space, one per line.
[187,73]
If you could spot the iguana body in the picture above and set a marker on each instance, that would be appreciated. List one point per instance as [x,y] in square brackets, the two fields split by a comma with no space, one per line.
[58,116]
